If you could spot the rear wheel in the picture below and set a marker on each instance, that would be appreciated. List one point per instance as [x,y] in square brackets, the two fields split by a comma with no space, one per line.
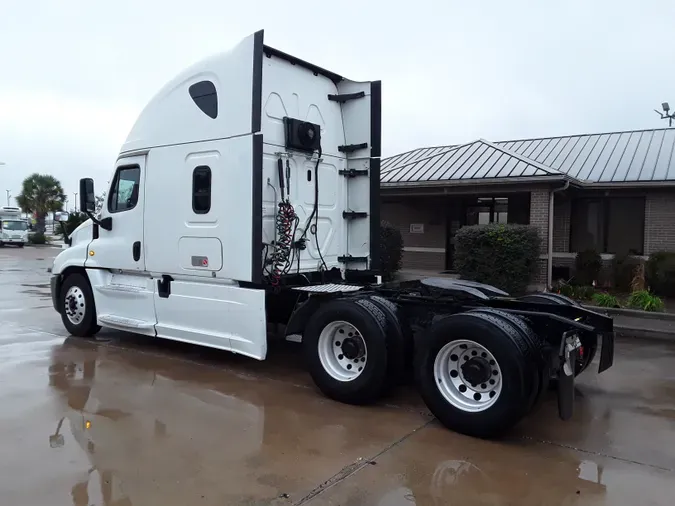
[345,346]
[541,370]
[474,373]
[399,340]
[78,310]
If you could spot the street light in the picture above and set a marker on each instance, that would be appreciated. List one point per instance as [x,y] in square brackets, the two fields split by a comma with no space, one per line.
[666,109]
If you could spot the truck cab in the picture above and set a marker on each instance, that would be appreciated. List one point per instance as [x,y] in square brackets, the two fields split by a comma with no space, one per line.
[251,169]
[13,229]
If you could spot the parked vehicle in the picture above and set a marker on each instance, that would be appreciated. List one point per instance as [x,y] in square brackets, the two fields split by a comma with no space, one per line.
[247,192]
[13,228]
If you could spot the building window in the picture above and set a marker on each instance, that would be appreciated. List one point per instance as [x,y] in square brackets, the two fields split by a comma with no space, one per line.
[487,210]
[205,96]
[124,190]
[608,225]
[201,189]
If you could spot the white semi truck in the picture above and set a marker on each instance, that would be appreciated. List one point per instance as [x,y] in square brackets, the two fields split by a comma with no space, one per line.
[13,228]
[247,193]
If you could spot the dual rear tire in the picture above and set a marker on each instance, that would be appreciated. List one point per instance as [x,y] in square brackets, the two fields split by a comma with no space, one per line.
[478,372]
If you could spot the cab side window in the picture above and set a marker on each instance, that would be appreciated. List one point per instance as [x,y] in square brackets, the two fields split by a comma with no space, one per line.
[124,190]
[201,190]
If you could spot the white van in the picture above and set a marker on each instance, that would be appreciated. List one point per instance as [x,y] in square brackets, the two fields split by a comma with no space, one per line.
[13,229]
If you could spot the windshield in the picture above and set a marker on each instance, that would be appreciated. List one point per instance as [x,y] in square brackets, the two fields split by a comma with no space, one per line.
[14,225]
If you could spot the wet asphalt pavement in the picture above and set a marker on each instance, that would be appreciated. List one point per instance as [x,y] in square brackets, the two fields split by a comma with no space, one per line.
[126,420]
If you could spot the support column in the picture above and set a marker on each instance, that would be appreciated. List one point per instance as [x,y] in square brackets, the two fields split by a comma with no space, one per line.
[540,203]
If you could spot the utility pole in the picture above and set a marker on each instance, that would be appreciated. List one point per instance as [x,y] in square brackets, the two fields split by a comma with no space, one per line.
[75,201]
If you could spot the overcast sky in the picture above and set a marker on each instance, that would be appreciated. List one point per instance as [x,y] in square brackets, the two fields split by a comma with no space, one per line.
[74,74]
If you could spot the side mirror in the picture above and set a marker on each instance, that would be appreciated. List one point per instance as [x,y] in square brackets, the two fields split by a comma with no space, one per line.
[87,195]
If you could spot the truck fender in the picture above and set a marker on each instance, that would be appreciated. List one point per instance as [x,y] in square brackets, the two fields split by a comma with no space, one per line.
[298,320]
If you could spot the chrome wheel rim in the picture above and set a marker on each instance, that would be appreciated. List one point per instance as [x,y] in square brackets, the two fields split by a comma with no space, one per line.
[468,375]
[75,305]
[342,351]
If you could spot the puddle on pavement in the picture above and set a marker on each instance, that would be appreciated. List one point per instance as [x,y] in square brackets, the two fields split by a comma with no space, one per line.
[39,285]
[128,426]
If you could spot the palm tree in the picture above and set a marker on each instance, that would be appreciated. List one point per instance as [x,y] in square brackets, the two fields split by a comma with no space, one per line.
[41,194]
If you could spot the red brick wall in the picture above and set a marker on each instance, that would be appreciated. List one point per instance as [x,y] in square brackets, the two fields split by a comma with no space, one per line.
[659,222]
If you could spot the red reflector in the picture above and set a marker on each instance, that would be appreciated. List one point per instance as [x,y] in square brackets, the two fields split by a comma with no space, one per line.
[581,351]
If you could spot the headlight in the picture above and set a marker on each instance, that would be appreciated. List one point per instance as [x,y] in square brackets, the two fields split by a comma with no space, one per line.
[4,236]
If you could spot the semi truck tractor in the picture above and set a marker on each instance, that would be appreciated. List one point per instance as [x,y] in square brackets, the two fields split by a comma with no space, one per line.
[247,193]
[13,228]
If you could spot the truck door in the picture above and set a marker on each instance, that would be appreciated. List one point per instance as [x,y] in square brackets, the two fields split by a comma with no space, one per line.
[123,291]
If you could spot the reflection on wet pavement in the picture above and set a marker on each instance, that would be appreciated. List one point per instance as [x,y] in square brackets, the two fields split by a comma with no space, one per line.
[133,421]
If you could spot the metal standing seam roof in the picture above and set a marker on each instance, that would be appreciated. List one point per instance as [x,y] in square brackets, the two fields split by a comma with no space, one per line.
[613,157]
[476,160]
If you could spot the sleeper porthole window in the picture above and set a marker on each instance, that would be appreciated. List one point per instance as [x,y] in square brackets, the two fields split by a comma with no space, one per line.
[205,97]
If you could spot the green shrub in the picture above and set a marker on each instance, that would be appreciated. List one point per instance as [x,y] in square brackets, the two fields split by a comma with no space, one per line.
[37,238]
[503,255]
[588,265]
[75,219]
[660,273]
[564,288]
[603,299]
[391,250]
[625,268]
[645,301]
[584,292]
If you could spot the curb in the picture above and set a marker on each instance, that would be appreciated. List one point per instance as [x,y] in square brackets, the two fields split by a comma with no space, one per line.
[645,333]
[632,313]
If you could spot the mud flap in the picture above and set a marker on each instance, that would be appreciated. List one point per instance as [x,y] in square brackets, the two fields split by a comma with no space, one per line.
[569,354]
[607,352]
[566,385]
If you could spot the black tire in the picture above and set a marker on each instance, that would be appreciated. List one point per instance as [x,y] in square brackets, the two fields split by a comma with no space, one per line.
[20,245]
[399,341]
[588,341]
[371,322]
[87,326]
[549,298]
[511,351]
[542,369]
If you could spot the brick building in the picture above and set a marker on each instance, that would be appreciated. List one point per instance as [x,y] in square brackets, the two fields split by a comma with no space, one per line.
[613,192]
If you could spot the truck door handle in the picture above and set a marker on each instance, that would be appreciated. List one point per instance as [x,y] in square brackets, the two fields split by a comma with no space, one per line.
[137,251]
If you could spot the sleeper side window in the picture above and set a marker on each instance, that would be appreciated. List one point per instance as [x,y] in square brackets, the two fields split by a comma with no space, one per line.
[205,97]
[124,190]
[201,189]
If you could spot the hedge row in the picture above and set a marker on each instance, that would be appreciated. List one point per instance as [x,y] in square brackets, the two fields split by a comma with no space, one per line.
[502,255]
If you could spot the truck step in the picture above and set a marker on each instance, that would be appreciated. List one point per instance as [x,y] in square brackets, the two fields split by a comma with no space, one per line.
[349,259]
[344,97]
[353,172]
[351,215]
[350,148]
[120,321]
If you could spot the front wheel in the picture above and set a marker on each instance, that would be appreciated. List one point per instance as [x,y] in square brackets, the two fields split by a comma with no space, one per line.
[78,310]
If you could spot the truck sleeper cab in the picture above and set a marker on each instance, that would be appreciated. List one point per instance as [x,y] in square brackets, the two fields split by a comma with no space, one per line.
[247,192]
